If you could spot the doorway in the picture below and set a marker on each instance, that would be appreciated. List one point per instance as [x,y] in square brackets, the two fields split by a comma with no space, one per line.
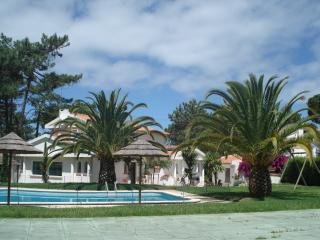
[227,175]
[132,171]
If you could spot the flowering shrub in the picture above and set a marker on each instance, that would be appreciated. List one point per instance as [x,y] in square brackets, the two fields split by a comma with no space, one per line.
[279,162]
[244,168]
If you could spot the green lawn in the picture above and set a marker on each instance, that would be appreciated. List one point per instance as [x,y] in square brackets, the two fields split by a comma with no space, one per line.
[282,199]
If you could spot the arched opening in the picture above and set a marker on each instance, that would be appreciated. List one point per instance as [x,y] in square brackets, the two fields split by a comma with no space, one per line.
[79,167]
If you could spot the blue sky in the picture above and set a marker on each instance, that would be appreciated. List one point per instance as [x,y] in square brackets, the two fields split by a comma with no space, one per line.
[167,52]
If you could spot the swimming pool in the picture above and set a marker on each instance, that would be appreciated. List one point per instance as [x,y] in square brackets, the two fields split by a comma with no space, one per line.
[52,197]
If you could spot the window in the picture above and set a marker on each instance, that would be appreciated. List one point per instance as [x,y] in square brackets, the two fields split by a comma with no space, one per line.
[85,168]
[78,167]
[55,169]
[36,168]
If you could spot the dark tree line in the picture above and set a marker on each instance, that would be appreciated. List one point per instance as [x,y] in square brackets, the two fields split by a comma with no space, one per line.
[29,84]
[181,117]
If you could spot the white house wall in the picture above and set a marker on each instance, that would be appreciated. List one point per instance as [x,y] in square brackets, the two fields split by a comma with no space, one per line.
[69,171]
[233,173]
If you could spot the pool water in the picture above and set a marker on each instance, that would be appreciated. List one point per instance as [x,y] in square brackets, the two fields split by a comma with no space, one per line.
[84,197]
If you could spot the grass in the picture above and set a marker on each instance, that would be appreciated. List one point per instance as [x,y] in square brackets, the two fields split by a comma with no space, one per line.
[282,198]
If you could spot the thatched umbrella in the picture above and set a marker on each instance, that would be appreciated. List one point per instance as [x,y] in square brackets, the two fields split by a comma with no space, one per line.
[137,150]
[11,144]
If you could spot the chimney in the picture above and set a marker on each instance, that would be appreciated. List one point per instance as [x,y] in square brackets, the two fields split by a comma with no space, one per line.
[64,113]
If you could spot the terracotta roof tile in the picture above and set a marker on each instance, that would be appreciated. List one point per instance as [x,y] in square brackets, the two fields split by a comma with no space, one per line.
[229,159]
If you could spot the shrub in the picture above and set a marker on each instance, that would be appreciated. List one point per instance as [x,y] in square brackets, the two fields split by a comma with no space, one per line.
[309,173]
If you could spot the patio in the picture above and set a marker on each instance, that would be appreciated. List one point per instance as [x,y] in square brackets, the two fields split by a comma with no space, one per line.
[303,224]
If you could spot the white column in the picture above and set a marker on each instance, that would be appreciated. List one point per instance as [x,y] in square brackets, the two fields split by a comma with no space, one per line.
[202,175]
[72,171]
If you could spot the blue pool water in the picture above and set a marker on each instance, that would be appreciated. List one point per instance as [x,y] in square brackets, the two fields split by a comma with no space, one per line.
[83,197]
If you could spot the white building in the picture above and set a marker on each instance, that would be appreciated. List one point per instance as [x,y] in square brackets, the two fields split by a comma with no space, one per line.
[86,168]
[230,174]
[299,152]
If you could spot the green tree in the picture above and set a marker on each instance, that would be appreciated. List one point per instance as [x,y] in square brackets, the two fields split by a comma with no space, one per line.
[10,83]
[212,166]
[109,127]
[253,124]
[46,102]
[190,158]
[46,162]
[180,119]
[39,80]
[26,75]
[314,107]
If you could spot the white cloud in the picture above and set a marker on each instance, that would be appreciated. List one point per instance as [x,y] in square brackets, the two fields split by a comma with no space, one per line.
[188,46]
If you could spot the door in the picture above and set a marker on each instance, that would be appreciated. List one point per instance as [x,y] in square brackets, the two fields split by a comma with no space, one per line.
[227,175]
[132,171]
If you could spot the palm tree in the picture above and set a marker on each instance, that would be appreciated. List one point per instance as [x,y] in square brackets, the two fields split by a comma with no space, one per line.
[47,161]
[190,158]
[252,123]
[212,166]
[109,127]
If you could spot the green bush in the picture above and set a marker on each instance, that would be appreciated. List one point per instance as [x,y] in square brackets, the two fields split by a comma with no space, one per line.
[310,173]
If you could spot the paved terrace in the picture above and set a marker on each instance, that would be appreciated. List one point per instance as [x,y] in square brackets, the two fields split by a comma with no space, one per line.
[265,225]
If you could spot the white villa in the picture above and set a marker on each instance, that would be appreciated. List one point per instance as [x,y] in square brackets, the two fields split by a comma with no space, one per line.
[26,168]
[299,152]
[230,174]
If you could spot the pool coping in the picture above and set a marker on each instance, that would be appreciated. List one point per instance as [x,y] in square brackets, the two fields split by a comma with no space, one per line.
[189,198]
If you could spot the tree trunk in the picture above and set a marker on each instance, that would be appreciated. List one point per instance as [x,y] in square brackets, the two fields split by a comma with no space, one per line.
[260,182]
[24,104]
[38,124]
[107,171]
[7,127]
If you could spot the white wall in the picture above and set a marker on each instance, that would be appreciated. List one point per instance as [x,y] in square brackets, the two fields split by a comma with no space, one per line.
[69,171]
[233,172]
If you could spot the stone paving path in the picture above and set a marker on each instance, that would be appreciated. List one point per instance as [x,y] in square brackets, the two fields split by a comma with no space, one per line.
[265,225]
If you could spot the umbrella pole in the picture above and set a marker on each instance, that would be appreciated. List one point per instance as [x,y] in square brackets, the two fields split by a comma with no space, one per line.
[140,170]
[9,178]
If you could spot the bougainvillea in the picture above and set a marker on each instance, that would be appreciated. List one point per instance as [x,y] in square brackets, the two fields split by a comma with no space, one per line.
[244,168]
[279,162]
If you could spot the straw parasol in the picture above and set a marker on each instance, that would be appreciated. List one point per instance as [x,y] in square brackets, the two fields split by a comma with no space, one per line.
[11,144]
[137,150]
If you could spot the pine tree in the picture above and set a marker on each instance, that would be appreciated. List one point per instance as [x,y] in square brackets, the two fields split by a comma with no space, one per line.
[181,117]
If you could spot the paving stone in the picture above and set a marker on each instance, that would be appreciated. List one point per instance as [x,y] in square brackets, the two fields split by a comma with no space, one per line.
[291,225]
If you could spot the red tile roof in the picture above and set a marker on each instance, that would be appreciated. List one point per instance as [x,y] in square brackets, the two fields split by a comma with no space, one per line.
[229,159]
[82,116]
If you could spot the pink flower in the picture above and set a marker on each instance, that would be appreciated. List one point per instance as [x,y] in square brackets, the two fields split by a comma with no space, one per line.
[244,168]
[279,162]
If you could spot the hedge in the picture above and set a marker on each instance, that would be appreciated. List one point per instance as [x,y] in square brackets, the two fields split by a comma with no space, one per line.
[310,174]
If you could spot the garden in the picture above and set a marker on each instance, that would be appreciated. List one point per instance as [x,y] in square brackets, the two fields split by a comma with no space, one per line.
[237,199]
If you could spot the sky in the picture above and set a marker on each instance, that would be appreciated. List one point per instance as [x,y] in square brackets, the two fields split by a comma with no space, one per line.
[166,52]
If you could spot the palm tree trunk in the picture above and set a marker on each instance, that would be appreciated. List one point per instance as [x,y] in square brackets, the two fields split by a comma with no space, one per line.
[260,182]
[107,171]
